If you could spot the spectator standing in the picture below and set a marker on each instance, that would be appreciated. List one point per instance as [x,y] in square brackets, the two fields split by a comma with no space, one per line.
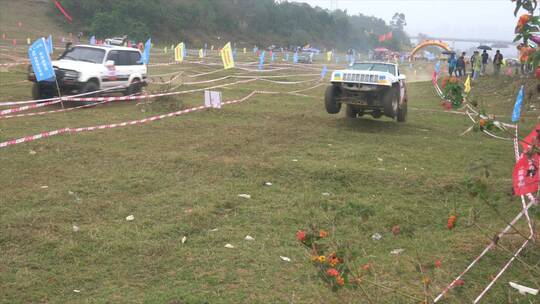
[452,62]
[461,66]
[497,62]
[485,59]
[477,65]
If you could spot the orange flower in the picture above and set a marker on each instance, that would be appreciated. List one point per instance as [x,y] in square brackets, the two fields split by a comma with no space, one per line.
[426,281]
[332,272]
[482,123]
[438,264]
[366,266]
[323,234]
[322,258]
[453,79]
[524,19]
[396,229]
[340,280]
[452,222]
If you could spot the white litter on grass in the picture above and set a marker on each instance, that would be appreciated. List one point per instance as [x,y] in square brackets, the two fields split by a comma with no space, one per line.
[249,238]
[295,160]
[32,152]
[229,246]
[214,230]
[524,289]
[71,193]
[246,196]
[284,258]
[130,218]
[44,187]
[326,194]
[268,184]
[76,228]
[379,159]
[397,251]
[184,239]
[76,291]
[376,236]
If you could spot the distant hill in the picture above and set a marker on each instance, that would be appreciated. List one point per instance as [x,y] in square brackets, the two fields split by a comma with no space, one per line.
[247,22]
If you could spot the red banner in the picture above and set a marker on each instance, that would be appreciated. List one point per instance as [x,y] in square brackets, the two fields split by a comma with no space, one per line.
[63,11]
[382,38]
[389,36]
[525,175]
[532,139]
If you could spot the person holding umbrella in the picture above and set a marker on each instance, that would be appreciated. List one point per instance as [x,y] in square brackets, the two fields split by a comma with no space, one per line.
[485,59]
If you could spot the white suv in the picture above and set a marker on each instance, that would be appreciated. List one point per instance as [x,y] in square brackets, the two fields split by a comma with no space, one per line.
[89,68]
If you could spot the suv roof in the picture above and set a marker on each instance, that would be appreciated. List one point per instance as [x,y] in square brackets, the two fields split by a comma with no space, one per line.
[107,47]
[375,62]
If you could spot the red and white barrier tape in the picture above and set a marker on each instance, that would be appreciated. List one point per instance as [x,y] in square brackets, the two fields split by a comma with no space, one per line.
[128,123]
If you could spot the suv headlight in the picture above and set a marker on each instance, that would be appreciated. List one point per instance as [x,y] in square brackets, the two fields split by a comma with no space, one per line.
[71,74]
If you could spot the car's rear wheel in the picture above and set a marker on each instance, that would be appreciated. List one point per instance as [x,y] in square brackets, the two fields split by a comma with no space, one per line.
[330,99]
[134,88]
[391,102]
[351,112]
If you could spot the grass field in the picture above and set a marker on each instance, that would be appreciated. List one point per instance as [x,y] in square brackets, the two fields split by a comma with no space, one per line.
[182,177]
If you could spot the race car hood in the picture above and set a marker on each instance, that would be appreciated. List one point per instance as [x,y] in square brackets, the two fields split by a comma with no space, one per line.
[75,65]
[367,77]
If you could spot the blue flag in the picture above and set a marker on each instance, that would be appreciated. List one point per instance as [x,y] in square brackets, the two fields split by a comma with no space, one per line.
[295,57]
[261,60]
[40,58]
[50,47]
[273,57]
[517,106]
[93,40]
[324,71]
[146,54]
[438,67]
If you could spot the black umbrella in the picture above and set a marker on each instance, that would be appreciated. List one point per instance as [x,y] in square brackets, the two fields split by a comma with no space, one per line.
[484,47]
[448,52]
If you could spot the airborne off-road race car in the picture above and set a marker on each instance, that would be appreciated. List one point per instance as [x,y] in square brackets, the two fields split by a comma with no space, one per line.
[374,88]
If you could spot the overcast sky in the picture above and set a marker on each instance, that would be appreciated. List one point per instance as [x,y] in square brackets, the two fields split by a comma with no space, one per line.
[491,19]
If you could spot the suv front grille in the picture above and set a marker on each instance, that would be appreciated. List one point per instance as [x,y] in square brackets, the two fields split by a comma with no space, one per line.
[360,78]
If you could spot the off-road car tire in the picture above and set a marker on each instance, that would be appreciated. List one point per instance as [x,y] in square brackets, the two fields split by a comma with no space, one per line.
[135,87]
[391,102]
[402,112]
[36,92]
[90,87]
[332,93]
[351,112]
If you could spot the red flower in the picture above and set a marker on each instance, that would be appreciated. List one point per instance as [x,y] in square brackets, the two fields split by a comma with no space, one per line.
[366,266]
[447,105]
[438,264]
[332,272]
[396,229]
[459,282]
[452,222]
[537,74]
[301,236]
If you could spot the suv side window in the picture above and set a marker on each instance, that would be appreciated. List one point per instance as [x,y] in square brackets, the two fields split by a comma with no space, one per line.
[113,55]
[124,58]
[135,58]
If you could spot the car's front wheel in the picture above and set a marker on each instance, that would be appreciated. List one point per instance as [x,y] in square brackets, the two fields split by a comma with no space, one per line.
[134,88]
[89,87]
[330,99]
[402,112]
[391,102]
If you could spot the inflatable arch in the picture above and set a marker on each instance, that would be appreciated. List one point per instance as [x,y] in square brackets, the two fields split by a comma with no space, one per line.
[426,43]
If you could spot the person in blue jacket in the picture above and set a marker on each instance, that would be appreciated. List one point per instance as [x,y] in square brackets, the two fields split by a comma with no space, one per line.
[452,63]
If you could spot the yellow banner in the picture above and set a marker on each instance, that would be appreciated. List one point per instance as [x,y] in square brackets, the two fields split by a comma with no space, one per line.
[201,53]
[245,51]
[179,52]
[468,85]
[329,56]
[227,57]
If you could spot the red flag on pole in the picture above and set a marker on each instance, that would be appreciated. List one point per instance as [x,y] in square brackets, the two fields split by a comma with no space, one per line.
[59,6]
[389,36]
[526,175]
[531,139]
[382,38]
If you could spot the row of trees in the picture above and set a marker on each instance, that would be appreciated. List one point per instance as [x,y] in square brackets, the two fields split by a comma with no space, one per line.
[248,22]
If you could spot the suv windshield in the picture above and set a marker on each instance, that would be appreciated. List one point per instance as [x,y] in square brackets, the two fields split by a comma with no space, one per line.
[86,54]
[377,67]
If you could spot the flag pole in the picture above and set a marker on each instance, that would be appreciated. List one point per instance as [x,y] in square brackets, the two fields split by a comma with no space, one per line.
[59,93]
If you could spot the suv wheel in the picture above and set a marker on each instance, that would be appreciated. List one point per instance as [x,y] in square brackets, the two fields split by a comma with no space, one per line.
[402,112]
[134,88]
[351,112]
[90,87]
[330,99]
[391,102]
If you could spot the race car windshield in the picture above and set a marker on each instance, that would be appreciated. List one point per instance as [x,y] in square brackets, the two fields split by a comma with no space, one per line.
[376,67]
[84,54]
